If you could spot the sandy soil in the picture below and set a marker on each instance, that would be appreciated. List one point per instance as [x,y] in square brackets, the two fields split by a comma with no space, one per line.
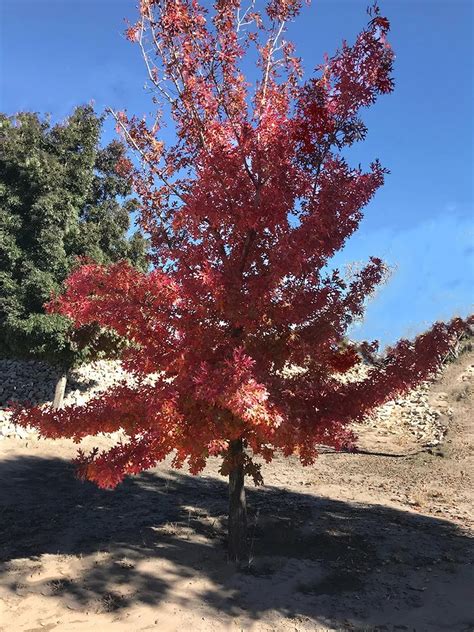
[380,540]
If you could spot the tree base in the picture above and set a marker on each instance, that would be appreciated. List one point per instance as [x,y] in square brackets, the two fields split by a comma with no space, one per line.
[60,391]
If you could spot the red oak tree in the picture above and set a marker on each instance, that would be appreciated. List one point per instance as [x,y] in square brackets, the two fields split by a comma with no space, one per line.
[244,210]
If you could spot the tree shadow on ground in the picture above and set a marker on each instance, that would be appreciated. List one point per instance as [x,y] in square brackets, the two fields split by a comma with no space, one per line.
[312,558]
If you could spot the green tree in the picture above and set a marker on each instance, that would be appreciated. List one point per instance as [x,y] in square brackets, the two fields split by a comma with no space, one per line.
[62,196]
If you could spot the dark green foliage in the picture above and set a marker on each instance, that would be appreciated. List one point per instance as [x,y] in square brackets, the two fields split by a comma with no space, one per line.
[60,198]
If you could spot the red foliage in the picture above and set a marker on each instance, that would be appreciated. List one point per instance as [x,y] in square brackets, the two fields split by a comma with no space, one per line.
[244,212]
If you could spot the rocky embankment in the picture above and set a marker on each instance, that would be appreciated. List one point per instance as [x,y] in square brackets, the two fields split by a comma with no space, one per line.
[35,382]
[416,414]
[420,414]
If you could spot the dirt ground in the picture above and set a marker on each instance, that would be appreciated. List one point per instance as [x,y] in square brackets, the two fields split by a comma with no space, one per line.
[380,540]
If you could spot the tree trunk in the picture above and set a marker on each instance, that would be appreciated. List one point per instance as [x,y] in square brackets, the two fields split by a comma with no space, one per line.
[238,548]
[60,390]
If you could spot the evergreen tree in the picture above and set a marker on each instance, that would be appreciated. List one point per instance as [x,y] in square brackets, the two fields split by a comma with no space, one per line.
[62,196]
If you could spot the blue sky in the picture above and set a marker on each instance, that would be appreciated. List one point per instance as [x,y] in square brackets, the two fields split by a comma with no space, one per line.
[55,54]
